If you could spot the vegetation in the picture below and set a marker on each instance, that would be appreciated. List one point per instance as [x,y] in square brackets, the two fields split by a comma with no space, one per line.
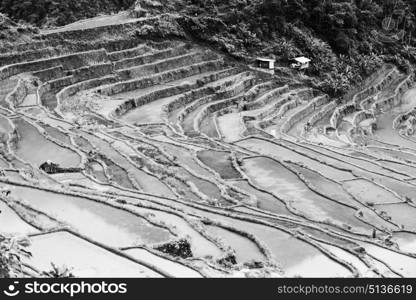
[181,248]
[59,272]
[59,12]
[347,40]
[12,250]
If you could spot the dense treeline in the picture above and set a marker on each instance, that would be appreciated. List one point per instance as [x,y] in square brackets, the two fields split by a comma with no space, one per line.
[346,39]
[59,12]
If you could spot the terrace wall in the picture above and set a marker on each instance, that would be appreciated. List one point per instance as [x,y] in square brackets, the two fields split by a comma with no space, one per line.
[50,74]
[72,61]
[307,110]
[161,78]
[395,99]
[150,58]
[29,55]
[341,112]
[19,93]
[267,98]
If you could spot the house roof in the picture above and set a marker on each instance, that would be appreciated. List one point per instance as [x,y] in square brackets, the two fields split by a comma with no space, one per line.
[265,59]
[302,59]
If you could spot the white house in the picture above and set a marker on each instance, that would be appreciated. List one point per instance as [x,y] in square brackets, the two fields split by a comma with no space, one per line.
[301,63]
[265,63]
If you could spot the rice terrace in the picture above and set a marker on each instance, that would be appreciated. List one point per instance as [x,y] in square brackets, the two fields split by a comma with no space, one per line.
[133,147]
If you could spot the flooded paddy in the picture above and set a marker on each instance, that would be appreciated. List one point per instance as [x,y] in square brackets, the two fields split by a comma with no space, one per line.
[57,134]
[208,126]
[301,202]
[245,249]
[231,126]
[362,268]
[11,223]
[282,153]
[45,150]
[148,113]
[97,170]
[402,264]
[294,256]
[401,214]
[200,245]
[220,162]
[406,241]
[329,188]
[263,200]
[173,268]
[106,224]
[368,192]
[274,177]
[146,182]
[84,258]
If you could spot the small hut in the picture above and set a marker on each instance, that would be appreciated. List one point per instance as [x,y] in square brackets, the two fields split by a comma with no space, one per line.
[265,63]
[301,63]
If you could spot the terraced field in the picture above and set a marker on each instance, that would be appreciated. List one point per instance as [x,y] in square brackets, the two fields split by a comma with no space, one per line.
[168,159]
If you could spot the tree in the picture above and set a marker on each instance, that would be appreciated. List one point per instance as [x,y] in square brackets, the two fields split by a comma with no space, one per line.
[12,250]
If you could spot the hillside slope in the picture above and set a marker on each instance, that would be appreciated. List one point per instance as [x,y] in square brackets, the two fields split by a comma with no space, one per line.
[348,40]
[133,149]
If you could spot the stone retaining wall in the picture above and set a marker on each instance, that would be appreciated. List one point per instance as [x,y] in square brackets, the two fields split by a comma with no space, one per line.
[129,53]
[195,94]
[322,113]
[267,98]
[18,95]
[361,116]
[29,55]
[167,64]
[161,78]
[150,58]
[50,73]
[303,113]
[394,100]
[71,61]
[341,112]
[81,86]
[376,87]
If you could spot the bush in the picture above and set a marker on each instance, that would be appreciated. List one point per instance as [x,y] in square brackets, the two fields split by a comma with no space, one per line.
[12,250]
[181,248]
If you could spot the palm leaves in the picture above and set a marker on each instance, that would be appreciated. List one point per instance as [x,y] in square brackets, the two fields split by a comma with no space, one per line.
[12,250]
